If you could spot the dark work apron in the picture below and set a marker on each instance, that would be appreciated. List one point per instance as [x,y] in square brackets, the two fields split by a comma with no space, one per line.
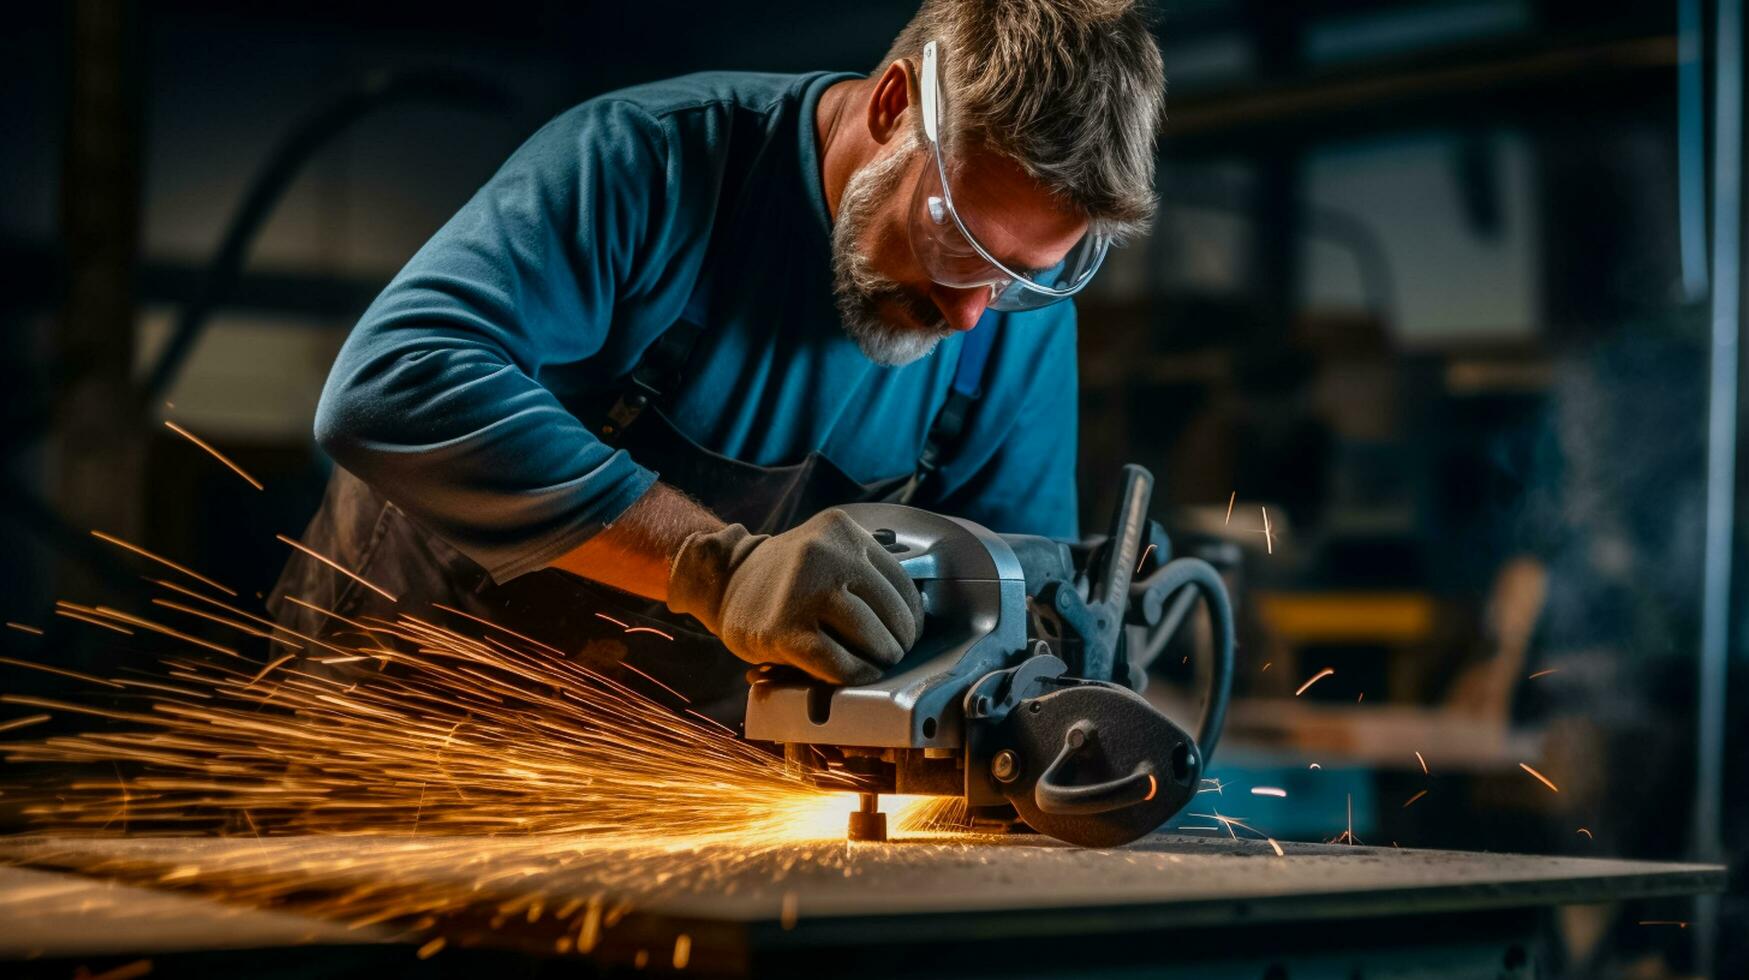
[364,532]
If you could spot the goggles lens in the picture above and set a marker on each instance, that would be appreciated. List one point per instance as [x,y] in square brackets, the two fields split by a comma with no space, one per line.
[951,257]
[945,242]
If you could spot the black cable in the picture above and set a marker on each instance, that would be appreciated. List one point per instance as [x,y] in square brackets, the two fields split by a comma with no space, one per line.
[1182,573]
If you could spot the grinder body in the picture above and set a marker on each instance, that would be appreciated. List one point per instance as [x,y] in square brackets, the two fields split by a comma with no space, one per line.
[1019,695]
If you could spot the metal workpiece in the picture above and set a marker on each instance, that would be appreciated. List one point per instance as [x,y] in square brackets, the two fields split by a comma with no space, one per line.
[1017,902]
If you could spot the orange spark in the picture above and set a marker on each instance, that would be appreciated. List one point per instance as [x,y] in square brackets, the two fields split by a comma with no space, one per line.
[1412,799]
[1347,836]
[221,620]
[127,971]
[711,722]
[1230,822]
[94,621]
[1320,675]
[1423,763]
[684,699]
[1268,537]
[1231,498]
[1587,832]
[268,623]
[527,754]
[1678,923]
[1266,665]
[649,629]
[1542,673]
[502,629]
[147,624]
[269,668]
[331,614]
[1226,823]
[25,628]
[431,948]
[1278,851]
[331,563]
[62,671]
[1539,777]
[589,933]
[1145,553]
[682,951]
[160,559]
[787,916]
[623,626]
[26,721]
[191,437]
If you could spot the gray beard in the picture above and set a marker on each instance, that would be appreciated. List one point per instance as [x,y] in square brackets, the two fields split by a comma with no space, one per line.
[859,290]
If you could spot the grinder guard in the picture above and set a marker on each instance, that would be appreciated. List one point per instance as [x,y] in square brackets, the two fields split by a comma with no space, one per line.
[1015,694]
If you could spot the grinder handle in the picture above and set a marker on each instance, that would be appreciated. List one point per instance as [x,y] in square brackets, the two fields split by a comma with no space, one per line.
[1128,525]
[1052,796]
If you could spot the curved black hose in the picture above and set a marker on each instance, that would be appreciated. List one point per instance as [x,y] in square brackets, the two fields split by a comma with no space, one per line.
[1342,228]
[37,516]
[1182,573]
[294,150]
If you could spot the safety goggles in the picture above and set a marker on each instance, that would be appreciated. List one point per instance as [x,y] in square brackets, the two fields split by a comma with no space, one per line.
[947,247]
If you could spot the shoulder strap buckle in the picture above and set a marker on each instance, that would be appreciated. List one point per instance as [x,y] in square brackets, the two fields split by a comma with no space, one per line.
[950,420]
[658,371]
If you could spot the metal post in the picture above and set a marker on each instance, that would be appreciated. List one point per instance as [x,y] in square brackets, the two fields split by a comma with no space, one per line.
[1721,461]
[1691,147]
[1277,38]
[101,452]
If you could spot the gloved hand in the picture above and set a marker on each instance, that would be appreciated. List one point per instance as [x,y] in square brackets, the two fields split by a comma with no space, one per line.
[824,597]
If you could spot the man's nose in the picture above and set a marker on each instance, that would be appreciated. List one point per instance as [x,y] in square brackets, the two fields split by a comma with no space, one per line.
[961,308]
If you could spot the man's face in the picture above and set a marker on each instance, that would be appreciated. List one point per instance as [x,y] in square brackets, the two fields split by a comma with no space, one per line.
[889,304]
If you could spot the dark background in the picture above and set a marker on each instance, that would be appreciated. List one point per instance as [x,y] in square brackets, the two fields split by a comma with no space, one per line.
[1430,281]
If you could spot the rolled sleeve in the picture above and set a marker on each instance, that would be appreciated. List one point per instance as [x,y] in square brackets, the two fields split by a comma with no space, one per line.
[435,398]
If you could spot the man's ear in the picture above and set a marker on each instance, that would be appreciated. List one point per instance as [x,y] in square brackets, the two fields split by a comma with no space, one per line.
[894,92]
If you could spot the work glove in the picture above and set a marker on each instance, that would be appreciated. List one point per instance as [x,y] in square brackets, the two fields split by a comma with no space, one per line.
[824,597]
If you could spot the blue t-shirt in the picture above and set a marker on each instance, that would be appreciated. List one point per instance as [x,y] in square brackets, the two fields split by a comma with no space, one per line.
[457,395]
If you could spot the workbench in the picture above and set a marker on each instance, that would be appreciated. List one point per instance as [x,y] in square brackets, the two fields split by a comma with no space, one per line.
[948,906]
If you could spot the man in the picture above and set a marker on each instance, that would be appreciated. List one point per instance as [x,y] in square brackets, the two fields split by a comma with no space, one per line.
[687,319]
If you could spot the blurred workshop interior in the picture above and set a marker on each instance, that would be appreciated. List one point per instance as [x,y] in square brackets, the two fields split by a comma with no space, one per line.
[1421,352]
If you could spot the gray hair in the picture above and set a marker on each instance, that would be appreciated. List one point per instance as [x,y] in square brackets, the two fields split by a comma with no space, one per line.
[1071,90]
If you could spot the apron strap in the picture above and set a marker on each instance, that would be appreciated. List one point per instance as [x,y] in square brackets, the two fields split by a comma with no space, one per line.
[950,421]
[656,373]
[659,371]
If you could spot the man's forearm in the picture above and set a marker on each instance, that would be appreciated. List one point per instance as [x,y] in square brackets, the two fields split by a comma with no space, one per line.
[635,552]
